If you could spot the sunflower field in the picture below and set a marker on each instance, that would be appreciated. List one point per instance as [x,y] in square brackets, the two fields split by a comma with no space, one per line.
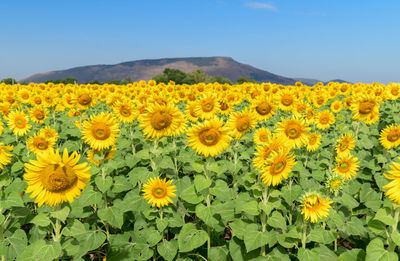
[149,171]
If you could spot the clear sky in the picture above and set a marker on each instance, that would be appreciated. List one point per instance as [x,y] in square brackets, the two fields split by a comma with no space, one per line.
[354,40]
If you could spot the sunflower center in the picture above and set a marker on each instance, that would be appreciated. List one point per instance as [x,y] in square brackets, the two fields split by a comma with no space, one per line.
[243,124]
[160,120]
[39,115]
[223,106]
[394,91]
[336,106]
[278,167]
[101,131]
[336,183]
[20,123]
[324,119]
[366,107]
[84,99]
[344,166]
[287,100]
[313,140]
[301,109]
[264,137]
[320,100]
[159,192]
[207,105]
[343,145]
[58,179]
[209,137]
[293,131]
[263,109]
[311,202]
[37,100]
[125,111]
[392,137]
[41,144]
[25,96]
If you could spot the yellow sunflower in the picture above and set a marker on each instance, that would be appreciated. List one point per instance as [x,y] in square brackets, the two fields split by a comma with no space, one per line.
[39,144]
[83,99]
[5,157]
[393,186]
[124,111]
[38,114]
[347,166]
[263,152]
[314,140]
[225,107]
[324,119]
[159,192]
[209,138]
[241,122]
[190,112]
[336,106]
[293,131]
[53,179]
[278,166]
[49,133]
[366,109]
[345,144]
[315,207]
[158,121]
[393,91]
[207,106]
[390,136]
[261,136]
[286,100]
[100,131]
[264,108]
[18,122]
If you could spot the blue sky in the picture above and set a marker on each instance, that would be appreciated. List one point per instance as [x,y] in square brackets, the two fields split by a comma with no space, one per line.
[358,41]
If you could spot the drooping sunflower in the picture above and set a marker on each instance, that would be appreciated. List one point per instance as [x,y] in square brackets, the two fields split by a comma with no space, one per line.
[315,207]
[393,186]
[39,143]
[345,144]
[209,138]
[241,122]
[347,166]
[314,140]
[277,167]
[159,192]
[274,143]
[390,136]
[336,106]
[53,179]
[100,131]
[264,108]
[366,108]
[293,131]
[207,106]
[5,157]
[49,133]
[107,154]
[324,119]
[261,136]
[38,114]
[124,111]
[18,122]
[160,120]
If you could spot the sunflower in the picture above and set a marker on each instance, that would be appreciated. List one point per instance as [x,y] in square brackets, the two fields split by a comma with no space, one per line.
[390,136]
[100,131]
[1,127]
[264,108]
[335,183]
[158,192]
[309,115]
[125,112]
[319,100]
[314,140]
[49,133]
[105,155]
[5,157]
[39,143]
[315,207]
[38,114]
[393,91]
[300,108]
[261,136]
[286,100]
[209,138]
[274,143]
[19,123]
[190,112]
[83,99]
[24,95]
[160,120]
[277,166]
[53,179]
[293,131]
[345,144]
[347,166]
[225,108]
[366,109]
[324,119]
[207,107]
[241,122]
[393,186]
[336,106]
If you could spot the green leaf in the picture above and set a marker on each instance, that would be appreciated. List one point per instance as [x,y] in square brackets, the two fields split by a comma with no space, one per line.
[205,214]
[201,182]
[112,215]
[190,238]
[166,163]
[161,224]
[221,191]
[189,195]
[12,200]
[354,227]
[348,201]
[168,249]
[355,254]
[198,166]
[307,255]
[385,216]
[41,219]
[14,244]
[88,197]
[121,184]
[236,249]
[277,220]
[254,239]
[325,253]
[39,250]
[291,194]
[152,237]
[141,251]
[238,227]
[61,214]
[103,184]
[218,253]
[376,252]
[133,202]
[250,207]
[321,235]
[396,237]
[278,254]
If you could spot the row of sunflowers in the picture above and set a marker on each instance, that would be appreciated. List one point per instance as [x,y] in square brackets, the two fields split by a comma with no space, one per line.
[199,172]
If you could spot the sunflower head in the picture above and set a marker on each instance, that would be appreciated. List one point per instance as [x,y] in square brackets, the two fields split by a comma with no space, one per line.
[39,143]
[241,122]
[5,156]
[261,136]
[347,166]
[390,136]
[19,123]
[315,206]
[277,167]
[393,186]
[335,183]
[158,192]
[294,131]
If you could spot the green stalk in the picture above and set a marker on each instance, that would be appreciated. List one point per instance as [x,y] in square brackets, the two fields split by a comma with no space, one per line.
[206,166]
[392,245]
[264,215]
[57,228]
[304,236]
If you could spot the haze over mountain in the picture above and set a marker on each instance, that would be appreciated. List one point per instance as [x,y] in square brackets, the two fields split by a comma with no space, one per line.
[147,69]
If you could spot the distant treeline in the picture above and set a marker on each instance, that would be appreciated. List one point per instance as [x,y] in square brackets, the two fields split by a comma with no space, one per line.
[175,75]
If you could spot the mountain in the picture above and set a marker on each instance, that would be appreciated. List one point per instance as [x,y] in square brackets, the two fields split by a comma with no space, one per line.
[311,82]
[146,69]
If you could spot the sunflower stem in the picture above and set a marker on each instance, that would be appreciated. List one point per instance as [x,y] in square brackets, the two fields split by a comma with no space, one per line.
[57,227]
[264,215]
[392,245]
[206,166]
[304,236]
